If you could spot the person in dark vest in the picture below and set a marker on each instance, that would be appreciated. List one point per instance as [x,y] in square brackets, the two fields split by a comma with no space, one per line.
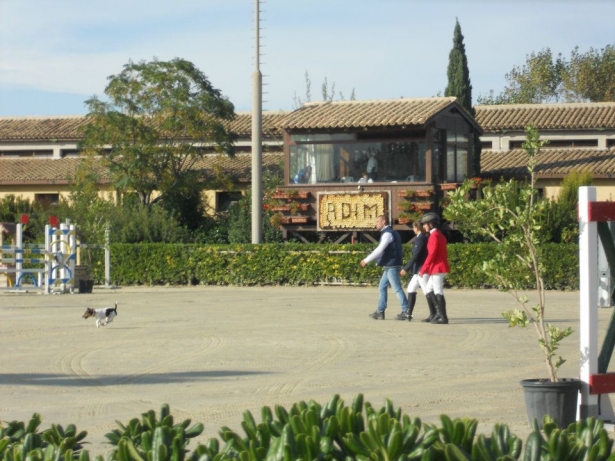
[435,269]
[388,255]
[412,267]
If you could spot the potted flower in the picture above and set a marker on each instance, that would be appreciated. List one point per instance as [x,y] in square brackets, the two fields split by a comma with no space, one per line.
[276,219]
[509,213]
[407,206]
[407,193]
[408,217]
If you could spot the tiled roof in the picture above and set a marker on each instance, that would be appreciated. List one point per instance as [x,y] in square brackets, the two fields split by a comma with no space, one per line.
[238,168]
[242,125]
[550,162]
[41,128]
[23,171]
[361,114]
[569,116]
[67,128]
[43,170]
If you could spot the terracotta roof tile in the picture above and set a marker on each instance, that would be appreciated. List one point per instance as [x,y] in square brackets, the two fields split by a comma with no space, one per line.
[242,125]
[360,114]
[568,116]
[67,128]
[43,170]
[550,162]
[22,171]
[41,128]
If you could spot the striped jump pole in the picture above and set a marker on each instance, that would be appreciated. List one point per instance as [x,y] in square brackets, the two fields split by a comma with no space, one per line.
[594,231]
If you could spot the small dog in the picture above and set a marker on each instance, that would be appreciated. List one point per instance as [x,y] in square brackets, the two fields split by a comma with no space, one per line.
[104,315]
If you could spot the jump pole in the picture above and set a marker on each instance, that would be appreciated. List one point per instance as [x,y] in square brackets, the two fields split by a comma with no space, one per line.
[588,302]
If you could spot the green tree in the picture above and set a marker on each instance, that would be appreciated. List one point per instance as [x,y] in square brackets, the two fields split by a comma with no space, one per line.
[590,76]
[153,129]
[458,73]
[459,86]
[511,214]
[545,77]
[561,223]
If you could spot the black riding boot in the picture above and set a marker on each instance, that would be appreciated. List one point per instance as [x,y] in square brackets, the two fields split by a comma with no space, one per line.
[431,303]
[411,303]
[441,318]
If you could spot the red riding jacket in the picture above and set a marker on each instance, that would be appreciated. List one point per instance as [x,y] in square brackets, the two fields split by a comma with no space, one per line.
[437,256]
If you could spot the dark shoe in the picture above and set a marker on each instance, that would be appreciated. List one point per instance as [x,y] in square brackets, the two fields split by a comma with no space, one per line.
[411,303]
[441,318]
[403,316]
[377,315]
[431,303]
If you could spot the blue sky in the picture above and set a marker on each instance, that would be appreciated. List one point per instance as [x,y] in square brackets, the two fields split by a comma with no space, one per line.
[55,54]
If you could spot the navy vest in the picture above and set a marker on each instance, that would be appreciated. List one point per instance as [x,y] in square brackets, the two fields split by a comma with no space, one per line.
[392,255]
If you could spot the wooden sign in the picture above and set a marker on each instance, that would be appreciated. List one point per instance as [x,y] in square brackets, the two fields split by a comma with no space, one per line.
[351,211]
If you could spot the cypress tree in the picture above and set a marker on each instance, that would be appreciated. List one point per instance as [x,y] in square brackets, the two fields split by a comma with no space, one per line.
[459,86]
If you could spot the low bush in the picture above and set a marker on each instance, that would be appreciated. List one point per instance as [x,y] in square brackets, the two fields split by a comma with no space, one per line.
[311,431]
[303,264]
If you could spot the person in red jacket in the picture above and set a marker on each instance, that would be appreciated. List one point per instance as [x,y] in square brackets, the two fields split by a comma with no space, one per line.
[435,268]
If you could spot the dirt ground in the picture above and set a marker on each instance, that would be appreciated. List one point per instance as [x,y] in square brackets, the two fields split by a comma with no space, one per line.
[213,352]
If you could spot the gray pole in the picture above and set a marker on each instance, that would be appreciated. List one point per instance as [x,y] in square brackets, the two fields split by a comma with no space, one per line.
[257,122]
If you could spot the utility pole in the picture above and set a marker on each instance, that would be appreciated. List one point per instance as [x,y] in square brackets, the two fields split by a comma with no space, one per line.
[257,123]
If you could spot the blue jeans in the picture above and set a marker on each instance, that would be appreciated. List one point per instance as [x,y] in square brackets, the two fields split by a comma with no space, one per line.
[390,276]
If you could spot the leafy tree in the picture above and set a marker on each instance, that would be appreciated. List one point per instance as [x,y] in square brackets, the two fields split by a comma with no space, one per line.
[560,222]
[153,130]
[459,86]
[511,214]
[240,215]
[546,77]
[458,72]
[590,76]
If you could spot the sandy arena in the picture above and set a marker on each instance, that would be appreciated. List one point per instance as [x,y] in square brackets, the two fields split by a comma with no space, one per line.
[212,352]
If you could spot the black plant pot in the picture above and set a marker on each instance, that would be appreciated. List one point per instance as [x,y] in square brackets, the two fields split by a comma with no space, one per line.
[85,286]
[558,400]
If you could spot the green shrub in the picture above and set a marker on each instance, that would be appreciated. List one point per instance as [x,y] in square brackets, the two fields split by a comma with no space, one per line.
[311,431]
[303,264]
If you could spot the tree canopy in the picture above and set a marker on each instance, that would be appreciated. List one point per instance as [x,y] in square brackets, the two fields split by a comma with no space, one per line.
[458,73]
[545,77]
[459,86]
[159,120]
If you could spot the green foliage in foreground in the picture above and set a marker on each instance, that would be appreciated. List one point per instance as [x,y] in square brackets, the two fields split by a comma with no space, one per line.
[306,264]
[311,431]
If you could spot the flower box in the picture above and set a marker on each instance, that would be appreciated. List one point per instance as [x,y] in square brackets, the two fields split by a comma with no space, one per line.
[404,220]
[449,186]
[423,206]
[423,193]
[294,220]
[287,196]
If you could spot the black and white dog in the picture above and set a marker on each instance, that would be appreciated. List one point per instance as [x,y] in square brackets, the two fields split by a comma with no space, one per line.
[104,315]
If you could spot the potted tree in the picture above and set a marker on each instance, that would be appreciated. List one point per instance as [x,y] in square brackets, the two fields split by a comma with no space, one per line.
[509,213]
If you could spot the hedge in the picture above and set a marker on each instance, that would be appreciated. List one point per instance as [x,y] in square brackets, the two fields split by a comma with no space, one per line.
[303,264]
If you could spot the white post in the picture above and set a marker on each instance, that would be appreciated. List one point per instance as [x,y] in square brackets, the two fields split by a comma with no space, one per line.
[61,250]
[19,255]
[588,325]
[48,259]
[107,257]
[72,242]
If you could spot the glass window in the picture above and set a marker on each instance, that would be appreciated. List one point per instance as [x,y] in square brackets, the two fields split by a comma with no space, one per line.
[320,137]
[391,161]
[456,156]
